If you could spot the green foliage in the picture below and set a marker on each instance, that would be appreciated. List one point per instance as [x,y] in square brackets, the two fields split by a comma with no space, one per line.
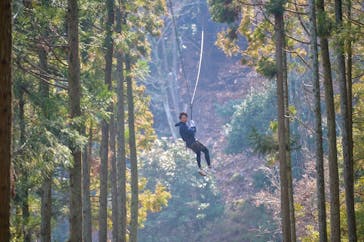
[243,221]
[275,6]
[324,24]
[195,201]
[267,67]
[313,234]
[195,211]
[40,27]
[260,37]
[358,136]
[237,178]
[143,119]
[254,113]
[227,40]
[263,144]
[224,11]
[261,180]
[227,109]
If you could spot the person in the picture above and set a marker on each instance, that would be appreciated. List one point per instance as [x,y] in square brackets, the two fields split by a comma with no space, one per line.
[187,131]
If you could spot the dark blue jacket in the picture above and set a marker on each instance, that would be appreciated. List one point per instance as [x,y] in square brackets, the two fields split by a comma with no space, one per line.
[187,133]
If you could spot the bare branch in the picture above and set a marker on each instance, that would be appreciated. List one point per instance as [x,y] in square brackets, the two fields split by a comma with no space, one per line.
[37,75]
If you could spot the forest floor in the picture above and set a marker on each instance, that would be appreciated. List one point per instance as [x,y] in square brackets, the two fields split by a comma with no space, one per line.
[233,171]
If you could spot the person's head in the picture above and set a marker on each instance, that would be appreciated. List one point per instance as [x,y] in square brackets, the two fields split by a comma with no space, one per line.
[183,117]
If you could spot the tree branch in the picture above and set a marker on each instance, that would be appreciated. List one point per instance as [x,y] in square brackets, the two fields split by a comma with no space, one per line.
[37,75]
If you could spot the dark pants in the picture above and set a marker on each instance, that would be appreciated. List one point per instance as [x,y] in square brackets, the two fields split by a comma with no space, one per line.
[197,147]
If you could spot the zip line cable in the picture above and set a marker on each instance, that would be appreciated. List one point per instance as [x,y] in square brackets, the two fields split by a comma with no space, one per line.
[199,70]
[192,98]
[179,48]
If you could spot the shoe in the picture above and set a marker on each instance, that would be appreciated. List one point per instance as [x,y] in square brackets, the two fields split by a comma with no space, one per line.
[211,170]
[202,172]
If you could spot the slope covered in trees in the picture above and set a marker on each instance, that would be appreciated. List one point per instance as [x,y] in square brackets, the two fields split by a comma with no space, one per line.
[90,151]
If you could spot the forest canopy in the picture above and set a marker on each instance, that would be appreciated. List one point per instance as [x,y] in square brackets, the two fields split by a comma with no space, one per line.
[91,92]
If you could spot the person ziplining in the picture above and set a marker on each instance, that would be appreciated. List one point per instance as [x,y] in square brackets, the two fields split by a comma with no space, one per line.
[187,131]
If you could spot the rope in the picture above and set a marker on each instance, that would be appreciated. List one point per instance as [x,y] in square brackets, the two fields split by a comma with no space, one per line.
[179,49]
[199,70]
[192,98]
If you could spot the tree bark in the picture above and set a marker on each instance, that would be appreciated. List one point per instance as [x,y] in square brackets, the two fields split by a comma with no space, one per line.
[320,175]
[121,164]
[25,175]
[288,145]
[114,187]
[349,82]
[87,225]
[5,117]
[285,213]
[133,157]
[104,150]
[330,113]
[349,69]
[46,199]
[46,210]
[345,126]
[74,88]
[105,126]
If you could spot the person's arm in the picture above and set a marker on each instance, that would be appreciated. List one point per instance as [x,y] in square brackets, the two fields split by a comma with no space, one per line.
[192,129]
[188,130]
[192,126]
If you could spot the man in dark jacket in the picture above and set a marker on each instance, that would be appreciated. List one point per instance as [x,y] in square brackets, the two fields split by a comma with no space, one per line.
[187,132]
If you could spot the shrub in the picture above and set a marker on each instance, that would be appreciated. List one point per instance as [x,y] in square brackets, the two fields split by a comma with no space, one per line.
[255,112]
[227,109]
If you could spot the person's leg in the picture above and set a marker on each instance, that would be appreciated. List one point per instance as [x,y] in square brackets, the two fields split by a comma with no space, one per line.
[207,154]
[198,158]
[195,147]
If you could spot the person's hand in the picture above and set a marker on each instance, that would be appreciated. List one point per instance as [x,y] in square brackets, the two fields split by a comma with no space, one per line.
[192,124]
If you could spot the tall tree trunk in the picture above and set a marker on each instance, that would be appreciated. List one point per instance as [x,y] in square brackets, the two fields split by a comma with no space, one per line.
[288,145]
[46,199]
[320,175]
[289,165]
[5,117]
[105,125]
[25,175]
[121,164]
[285,213]
[104,150]
[114,184]
[46,210]
[345,126]
[330,109]
[74,88]
[86,219]
[164,92]
[349,69]
[133,156]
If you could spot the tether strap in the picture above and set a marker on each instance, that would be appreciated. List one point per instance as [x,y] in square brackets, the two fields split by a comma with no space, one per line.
[181,59]
[199,68]
[198,72]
